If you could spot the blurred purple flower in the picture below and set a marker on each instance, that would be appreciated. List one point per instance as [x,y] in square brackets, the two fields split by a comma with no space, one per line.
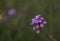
[11,12]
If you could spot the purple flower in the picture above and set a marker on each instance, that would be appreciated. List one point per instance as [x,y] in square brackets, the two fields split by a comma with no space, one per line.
[38,23]
[11,12]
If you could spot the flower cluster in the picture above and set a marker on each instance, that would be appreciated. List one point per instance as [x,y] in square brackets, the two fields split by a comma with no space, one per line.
[38,23]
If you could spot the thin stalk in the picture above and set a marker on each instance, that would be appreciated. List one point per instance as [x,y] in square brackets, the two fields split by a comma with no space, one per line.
[50,36]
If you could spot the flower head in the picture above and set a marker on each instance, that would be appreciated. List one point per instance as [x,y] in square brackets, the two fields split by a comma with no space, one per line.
[38,23]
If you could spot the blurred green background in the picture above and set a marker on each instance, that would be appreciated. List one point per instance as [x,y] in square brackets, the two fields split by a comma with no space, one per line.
[19,29]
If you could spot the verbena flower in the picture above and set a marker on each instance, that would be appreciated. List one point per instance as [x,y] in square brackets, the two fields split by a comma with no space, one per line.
[38,23]
[11,12]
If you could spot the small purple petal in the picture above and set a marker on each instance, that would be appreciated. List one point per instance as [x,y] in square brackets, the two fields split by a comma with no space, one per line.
[41,25]
[33,21]
[37,17]
[40,21]
[36,26]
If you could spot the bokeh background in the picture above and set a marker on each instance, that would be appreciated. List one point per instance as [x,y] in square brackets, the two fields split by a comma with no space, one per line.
[17,27]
